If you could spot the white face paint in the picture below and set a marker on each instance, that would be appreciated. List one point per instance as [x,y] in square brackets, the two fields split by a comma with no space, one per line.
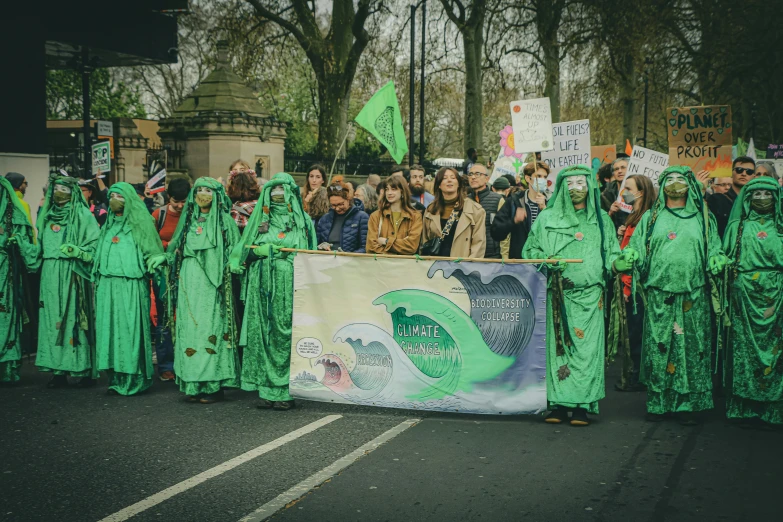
[761,194]
[577,182]
[62,188]
[117,196]
[278,191]
[204,190]
[675,178]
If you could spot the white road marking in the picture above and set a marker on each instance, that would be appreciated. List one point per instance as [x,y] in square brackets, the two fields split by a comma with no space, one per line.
[301,489]
[176,489]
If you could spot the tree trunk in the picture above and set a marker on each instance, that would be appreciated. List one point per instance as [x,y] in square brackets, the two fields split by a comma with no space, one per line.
[473,42]
[548,17]
[333,98]
[628,93]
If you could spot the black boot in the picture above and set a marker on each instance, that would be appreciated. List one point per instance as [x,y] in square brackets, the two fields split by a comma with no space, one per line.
[579,417]
[57,381]
[557,416]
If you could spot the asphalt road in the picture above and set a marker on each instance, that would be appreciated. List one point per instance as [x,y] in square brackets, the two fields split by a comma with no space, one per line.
[80,455]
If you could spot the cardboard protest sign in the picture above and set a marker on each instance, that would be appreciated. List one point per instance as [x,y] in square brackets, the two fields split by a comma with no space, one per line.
[571,146]
[532,124]
[604,153]
[643,162]
[700,137]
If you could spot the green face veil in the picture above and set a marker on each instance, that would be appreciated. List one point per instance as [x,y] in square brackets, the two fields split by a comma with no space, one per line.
[52,213]
[744,205]
[214,232]
[10,202]
[136,219]
[286,214]
[562,203]
[694,200]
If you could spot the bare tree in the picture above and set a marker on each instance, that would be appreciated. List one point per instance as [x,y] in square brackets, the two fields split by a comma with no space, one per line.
[334,56]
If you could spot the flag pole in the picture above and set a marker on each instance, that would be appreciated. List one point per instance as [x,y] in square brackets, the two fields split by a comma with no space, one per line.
[345,138]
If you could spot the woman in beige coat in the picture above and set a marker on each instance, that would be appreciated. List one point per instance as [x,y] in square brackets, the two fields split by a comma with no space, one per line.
[455,218]
[395,228]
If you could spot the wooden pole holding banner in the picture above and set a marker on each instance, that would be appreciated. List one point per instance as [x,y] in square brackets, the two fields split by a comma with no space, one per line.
[426,258]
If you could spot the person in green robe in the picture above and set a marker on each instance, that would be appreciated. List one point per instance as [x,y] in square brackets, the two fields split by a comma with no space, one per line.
[268,288]
[573,226]
[129,249]
[676,247]
[754,362]
[205,337]
[18,253]
[68,234]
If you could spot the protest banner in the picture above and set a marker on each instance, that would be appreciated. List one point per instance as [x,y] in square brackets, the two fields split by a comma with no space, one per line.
[604,153]
[700,137]
[643,162]
[571,146]
[774,151]
[429,335]
[101,157]
[532,124]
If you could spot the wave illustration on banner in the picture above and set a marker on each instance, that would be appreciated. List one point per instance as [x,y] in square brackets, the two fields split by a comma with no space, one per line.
[435,354]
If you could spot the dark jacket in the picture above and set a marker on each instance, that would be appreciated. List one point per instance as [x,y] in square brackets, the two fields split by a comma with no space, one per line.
[503,225]
[721,205]
[608,197]
[354,236]
[489,201]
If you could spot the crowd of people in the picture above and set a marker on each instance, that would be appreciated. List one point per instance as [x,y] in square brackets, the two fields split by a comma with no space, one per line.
[678,283]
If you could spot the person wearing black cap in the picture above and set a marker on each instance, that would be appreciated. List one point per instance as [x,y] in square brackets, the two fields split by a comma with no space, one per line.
[19,183]
[501,186]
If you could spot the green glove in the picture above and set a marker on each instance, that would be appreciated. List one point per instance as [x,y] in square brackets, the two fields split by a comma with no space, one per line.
[718,263]
[557,267]
[74,252]
[621,264]
[630,255]
[266,250]
[154,262]
[13,240]
[236,269]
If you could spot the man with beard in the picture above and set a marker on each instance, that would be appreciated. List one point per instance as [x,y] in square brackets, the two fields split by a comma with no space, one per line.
[417,186]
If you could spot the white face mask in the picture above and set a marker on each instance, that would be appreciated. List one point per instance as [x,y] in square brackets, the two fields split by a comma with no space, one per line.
[577,183]
[62,188]
[204,190]
[761,194]
[278,191]
[115,195]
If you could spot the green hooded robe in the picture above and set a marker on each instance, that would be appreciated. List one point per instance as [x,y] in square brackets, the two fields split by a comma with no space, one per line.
[206,357]
[14,259]
[674,247]
[268,288]
[66,342]
[754,364]
[122,294]
[575,319]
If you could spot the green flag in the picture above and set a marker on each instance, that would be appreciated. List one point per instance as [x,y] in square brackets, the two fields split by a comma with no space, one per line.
[381,117]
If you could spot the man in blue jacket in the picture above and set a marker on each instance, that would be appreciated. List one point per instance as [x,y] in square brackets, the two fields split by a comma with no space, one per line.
[344,228]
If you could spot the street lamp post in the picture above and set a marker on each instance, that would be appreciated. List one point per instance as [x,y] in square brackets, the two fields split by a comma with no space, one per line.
[412,84]
[412,95]
[647,63]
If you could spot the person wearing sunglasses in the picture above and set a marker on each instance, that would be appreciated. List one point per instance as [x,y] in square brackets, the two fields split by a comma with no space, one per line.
[743,169]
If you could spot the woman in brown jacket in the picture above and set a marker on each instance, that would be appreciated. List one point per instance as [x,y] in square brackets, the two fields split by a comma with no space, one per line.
[459,220]
[395,228]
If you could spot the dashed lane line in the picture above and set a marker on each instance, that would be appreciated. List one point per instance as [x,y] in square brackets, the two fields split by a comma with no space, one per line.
[176,489]
[301,489]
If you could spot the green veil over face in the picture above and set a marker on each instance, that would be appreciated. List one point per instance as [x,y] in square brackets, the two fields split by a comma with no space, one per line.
[741,208]
[217,230]
[9,201]
[695,200]
[291,214]
[561,205]
[137,220]
[68,213]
